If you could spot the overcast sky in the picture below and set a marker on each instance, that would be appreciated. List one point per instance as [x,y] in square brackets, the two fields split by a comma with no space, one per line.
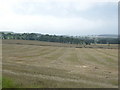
[61,17]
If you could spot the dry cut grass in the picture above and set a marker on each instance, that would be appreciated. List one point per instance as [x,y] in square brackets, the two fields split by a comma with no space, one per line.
[60,67]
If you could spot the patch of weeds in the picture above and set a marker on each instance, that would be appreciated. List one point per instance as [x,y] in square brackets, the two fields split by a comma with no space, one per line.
[8,83]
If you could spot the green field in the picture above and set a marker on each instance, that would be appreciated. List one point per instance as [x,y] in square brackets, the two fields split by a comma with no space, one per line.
[31,64]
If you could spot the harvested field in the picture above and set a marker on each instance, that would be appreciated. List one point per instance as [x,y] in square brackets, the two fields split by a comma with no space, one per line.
[43,66]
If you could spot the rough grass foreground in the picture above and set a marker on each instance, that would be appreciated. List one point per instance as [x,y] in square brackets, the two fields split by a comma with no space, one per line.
[59,67]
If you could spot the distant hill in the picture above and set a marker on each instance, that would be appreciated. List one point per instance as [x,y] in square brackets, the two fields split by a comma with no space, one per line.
[6,32]
[104,36]
[108,36]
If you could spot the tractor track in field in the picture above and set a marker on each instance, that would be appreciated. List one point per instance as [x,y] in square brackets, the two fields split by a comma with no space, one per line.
[56,78]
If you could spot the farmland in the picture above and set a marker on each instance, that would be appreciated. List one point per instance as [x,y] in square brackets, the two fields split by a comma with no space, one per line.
[54,65]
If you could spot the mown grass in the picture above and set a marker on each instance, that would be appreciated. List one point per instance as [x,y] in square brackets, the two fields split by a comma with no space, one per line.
[32,66]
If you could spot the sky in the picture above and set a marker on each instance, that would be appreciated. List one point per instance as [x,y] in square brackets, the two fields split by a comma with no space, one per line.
[60,17]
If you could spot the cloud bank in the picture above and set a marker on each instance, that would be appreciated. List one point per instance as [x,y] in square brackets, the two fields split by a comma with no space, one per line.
[66,17]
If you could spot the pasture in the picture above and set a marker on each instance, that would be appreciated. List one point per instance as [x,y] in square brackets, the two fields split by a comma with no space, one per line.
[31,64]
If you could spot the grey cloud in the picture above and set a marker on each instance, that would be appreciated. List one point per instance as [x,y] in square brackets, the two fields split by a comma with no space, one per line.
[62,18]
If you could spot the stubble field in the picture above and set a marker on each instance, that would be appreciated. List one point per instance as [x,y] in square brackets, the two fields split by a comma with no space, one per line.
[59,67]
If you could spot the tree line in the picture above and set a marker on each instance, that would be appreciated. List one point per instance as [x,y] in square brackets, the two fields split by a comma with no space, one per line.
[60,39]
